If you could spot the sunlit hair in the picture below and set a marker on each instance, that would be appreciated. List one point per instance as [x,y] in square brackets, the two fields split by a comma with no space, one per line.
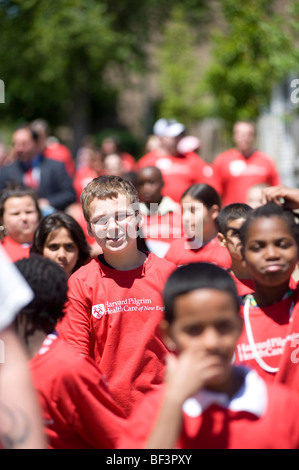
[234,211]
[203,193]
[107,187]
[54,222]
[270,210]
[193,276]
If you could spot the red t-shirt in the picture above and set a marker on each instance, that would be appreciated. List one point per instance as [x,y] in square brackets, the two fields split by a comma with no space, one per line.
[60,152]
[128,162]
[181,252]
[266,331]
[113,316]
[161,225]
[235,174]
[14,249]
[244,286]
[259,416]
[179,172]
[82,177]
[77,408]
[289,365]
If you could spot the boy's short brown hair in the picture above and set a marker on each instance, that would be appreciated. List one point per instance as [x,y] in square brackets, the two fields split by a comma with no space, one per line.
[107,187]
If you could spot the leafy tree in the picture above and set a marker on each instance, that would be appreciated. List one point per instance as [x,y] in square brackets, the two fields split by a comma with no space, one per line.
[254,51]
[55,56]
[180,68]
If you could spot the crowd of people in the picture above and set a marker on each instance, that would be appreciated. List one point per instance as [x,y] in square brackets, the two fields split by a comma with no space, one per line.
[151,303]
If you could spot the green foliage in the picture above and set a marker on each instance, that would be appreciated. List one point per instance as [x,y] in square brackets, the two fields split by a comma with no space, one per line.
[180,69]
[255,50]
[55,54]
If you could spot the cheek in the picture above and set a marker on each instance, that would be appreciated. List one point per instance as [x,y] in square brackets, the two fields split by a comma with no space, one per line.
[252,263]
[50,254]
[34,219]
[74,255]
[293,257]
[12,225]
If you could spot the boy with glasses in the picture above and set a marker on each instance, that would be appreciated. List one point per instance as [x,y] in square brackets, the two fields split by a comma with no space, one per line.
[115,301]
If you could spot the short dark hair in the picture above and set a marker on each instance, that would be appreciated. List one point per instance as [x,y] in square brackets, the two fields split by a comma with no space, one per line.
[203,193]
[49,284]
[57,220]
[234,211]
[270,209]
[107,187]
[195,276]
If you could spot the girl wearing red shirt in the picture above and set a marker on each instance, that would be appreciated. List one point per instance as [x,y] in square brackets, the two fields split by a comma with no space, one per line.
[270,243]
[19,217]
[201,206]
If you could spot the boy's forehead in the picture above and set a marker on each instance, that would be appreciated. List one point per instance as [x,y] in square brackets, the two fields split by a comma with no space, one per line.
[149,173]
[121,200]
[202,301]
[235,223]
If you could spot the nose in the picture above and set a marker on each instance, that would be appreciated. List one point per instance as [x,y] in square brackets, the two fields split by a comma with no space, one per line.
[112,227]
[23,216]
[61,253]
[210,339]
[272,252]
[19,146]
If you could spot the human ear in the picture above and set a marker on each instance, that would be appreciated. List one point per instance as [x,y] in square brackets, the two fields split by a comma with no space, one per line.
[139,219]
[221,239]
[166,337]
[214,211]
[89,230]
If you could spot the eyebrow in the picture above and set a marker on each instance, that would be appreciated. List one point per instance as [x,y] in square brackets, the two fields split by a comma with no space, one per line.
[235,229]
[279,239]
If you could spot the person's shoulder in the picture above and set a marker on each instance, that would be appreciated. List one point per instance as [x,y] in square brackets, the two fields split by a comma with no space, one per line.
[149,157]
[160,261]
[177,242]
[160,266]
[194,157]
[226,154]
[262,155]
[89,269]
[51,163]
[70,363]
[282,397]
[175,247]
[9,167]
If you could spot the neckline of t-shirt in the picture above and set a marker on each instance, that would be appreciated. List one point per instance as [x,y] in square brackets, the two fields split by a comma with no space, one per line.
[105,266]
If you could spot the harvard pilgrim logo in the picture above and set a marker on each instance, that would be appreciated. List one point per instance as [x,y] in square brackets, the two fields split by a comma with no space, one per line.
[98,310]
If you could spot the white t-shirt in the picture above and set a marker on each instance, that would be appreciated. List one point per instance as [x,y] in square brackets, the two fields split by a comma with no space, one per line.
[15,293]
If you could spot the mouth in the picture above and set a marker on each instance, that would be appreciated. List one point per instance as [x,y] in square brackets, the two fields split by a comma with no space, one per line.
[147,197]
[273,268]
[115,239]
[62,265]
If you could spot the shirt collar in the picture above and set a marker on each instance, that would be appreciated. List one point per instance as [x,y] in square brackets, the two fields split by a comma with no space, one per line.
[32,164]
[251,397]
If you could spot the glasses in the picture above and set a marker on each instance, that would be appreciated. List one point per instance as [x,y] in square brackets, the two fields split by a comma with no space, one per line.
[119,219]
